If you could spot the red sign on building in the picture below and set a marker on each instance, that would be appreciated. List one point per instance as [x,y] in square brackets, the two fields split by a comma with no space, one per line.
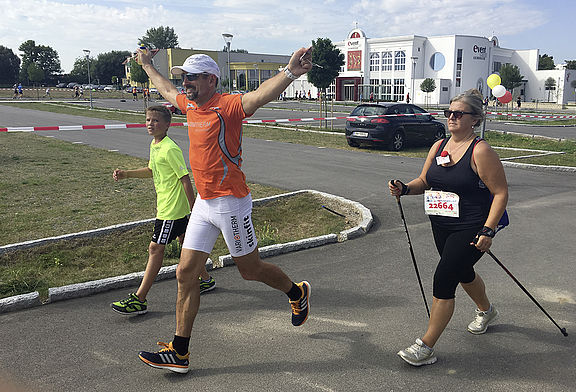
[354,60]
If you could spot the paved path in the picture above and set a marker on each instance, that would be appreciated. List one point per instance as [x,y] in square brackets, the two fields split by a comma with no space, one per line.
[365,304]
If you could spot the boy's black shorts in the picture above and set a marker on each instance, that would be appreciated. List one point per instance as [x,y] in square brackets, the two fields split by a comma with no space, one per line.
[165,231]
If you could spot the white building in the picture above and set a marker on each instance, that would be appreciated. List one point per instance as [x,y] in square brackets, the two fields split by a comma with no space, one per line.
[392,68]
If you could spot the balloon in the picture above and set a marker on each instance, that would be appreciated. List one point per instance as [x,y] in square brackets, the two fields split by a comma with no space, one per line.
[506,97]
[493,80]
[499,91]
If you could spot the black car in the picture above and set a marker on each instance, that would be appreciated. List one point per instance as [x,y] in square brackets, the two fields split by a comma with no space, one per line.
[376,124]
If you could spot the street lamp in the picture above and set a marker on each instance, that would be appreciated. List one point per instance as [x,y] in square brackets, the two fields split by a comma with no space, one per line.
[228,39]
[87,53]
[414,59]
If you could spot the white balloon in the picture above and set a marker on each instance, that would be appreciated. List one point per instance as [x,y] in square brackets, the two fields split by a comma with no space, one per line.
[499,91]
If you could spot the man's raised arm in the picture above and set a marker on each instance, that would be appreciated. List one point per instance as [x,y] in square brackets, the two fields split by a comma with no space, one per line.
[272,88]
[164,86]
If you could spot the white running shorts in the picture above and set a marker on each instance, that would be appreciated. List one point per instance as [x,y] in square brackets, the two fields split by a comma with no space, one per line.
[229,215]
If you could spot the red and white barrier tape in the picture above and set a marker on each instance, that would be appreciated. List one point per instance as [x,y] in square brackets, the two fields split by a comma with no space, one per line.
[285,120]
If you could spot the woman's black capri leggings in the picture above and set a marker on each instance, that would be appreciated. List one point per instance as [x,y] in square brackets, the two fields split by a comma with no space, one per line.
[457,259]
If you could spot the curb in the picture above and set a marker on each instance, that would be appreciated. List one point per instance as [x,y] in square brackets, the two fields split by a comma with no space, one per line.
[76,290]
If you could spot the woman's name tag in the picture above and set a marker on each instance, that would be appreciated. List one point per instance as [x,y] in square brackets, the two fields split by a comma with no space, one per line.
[441,203]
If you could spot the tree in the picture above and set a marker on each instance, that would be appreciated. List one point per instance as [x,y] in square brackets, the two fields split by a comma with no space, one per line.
[329,60]
[79,73]
[109,64]
[570,64]
[234,50]
[546,62]
[35,75]
[511,77]
[137,73]
[160,38]
[9,66]
[549,85]
[428,85]
[43,56]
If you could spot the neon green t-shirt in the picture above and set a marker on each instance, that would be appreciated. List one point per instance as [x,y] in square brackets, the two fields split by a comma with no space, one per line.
[168,167]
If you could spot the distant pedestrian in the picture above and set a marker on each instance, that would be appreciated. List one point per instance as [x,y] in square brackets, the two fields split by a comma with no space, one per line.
[20,91]
[519,102]
[81,92]
[47,94]
[134,94]
[15,91]
[76,92]
[407,97]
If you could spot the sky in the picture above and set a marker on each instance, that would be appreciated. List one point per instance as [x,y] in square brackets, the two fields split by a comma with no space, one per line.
[280,27]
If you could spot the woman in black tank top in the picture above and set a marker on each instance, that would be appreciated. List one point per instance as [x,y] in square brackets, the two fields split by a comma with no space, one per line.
[465,196]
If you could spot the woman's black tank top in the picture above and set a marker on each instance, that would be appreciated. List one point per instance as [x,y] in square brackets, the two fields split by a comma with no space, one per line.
[474,203]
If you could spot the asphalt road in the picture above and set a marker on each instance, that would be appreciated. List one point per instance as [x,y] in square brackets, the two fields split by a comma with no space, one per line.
[365,303]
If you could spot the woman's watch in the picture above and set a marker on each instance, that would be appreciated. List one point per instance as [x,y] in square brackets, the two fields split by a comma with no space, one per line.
[486,231]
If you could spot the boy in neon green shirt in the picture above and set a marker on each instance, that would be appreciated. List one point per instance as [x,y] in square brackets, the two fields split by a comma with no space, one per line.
[174,200]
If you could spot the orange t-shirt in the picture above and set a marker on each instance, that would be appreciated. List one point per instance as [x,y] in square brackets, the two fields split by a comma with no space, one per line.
[215,133]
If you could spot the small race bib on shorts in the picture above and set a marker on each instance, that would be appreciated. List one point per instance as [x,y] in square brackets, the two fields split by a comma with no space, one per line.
[441,203]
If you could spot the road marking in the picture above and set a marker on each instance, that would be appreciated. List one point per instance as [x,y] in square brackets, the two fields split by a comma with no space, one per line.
[557,296]
[339,322]
[308,383]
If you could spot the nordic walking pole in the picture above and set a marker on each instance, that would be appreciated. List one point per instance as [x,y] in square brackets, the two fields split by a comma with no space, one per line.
[563,330]
[412,253]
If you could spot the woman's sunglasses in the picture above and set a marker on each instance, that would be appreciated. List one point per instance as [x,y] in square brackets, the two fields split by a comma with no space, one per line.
[193,76]
[457,113]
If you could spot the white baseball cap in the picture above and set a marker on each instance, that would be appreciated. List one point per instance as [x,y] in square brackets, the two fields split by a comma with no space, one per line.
[197,63]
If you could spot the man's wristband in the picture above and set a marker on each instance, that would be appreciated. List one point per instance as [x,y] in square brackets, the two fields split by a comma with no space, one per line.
[289,74]
[486,231]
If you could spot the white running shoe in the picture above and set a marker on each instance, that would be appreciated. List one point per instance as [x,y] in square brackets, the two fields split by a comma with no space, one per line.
[418,354]
[480,324]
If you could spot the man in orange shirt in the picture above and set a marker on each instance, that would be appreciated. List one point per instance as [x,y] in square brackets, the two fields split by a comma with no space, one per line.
[224,202]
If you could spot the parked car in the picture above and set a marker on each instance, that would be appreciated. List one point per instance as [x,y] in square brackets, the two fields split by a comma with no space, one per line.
[71,85]
[61,85]
[172,108]
[374,125]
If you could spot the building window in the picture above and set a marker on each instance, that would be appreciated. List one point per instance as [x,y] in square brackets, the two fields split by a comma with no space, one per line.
[386,89]
[398,90]
[400,61]
[386,61]
[437,61]
[497,65]
[459,68]
[374,61]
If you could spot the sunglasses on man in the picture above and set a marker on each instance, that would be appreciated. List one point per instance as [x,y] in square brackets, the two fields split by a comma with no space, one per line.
[457,113]
[193,76]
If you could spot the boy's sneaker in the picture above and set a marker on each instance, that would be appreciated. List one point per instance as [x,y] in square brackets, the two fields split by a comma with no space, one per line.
[301,307]
[207,285]
[166,358]
[130,305]
[480,323]
[418,354]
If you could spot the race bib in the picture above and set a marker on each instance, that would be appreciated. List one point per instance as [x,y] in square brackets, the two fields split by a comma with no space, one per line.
[441,203]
